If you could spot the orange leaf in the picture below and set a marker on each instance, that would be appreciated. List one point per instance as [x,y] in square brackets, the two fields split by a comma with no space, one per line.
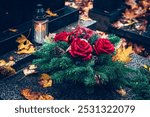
[45,81]
[50,13]
[28,94]
[122,92]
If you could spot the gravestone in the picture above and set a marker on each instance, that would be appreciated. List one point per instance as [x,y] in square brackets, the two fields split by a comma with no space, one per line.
[18,14]
[105,12]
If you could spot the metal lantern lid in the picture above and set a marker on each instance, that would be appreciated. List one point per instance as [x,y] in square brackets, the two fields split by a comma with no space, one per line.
[39,13]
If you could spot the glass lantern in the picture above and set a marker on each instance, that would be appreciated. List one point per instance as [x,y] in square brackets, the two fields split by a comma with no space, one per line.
[40,23]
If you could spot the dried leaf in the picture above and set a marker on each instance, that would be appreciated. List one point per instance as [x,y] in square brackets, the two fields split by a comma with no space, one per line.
[85,18]
[7,71]
[122,92]
[28,94]
[141,25]
[146,67]
[31,69]
[6,68]
[25,46]
[45,80]
[2,62]
[139,9]
[131,3]
[10,63]
[72,4]
[50,13]
[118,24]
[138,49]
[13,30]
[50,38]
[123,54]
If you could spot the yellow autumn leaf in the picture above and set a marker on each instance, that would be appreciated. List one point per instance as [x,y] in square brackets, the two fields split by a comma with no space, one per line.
[2,62]
[13,30]
[50,13]
[45,80]
[45,77]
[122,92]
[6,68]
[146,67]
[25,46]
[123,54]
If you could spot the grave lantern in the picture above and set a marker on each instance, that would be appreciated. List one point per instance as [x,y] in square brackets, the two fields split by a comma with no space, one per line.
[40,23]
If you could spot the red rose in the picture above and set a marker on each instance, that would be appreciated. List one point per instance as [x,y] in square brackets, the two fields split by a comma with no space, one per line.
[63,36]
[103,46]
[81,48]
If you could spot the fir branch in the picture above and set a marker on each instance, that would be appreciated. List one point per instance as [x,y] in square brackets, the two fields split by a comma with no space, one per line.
[114,39]
[93,39]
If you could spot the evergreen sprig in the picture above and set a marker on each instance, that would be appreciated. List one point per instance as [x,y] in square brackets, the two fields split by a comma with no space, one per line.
[54,59]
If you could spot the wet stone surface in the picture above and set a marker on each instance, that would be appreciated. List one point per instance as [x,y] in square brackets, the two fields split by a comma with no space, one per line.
[138,61]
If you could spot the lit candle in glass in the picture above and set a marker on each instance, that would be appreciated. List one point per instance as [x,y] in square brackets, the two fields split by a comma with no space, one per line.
[40,25]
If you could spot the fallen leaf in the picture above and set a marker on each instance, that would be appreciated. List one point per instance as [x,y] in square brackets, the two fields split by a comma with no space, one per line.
[138,49]
[138,10]
[6,68]
[31,69]
[50,37]
[50,13]
[146,67]
[72,4]
[122,92]
[7,71]
[2,62]
[28,94]
[10,63]
[45,80]
[123,54]
[141,25]
[13,30]
[25,46]
[85,18]
[131,3]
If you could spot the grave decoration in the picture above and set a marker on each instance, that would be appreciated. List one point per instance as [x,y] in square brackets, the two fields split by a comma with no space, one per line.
[81,56]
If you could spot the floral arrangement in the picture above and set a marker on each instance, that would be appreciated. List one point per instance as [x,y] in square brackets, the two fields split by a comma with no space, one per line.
[82,56]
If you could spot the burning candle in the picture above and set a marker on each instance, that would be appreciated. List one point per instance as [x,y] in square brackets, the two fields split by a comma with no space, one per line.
[40,25]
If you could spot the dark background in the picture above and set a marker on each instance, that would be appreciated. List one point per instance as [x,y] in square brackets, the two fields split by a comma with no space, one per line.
[16,12]
[107,5]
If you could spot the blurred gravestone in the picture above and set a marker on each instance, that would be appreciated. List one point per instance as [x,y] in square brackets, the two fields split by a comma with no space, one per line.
[105,12]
